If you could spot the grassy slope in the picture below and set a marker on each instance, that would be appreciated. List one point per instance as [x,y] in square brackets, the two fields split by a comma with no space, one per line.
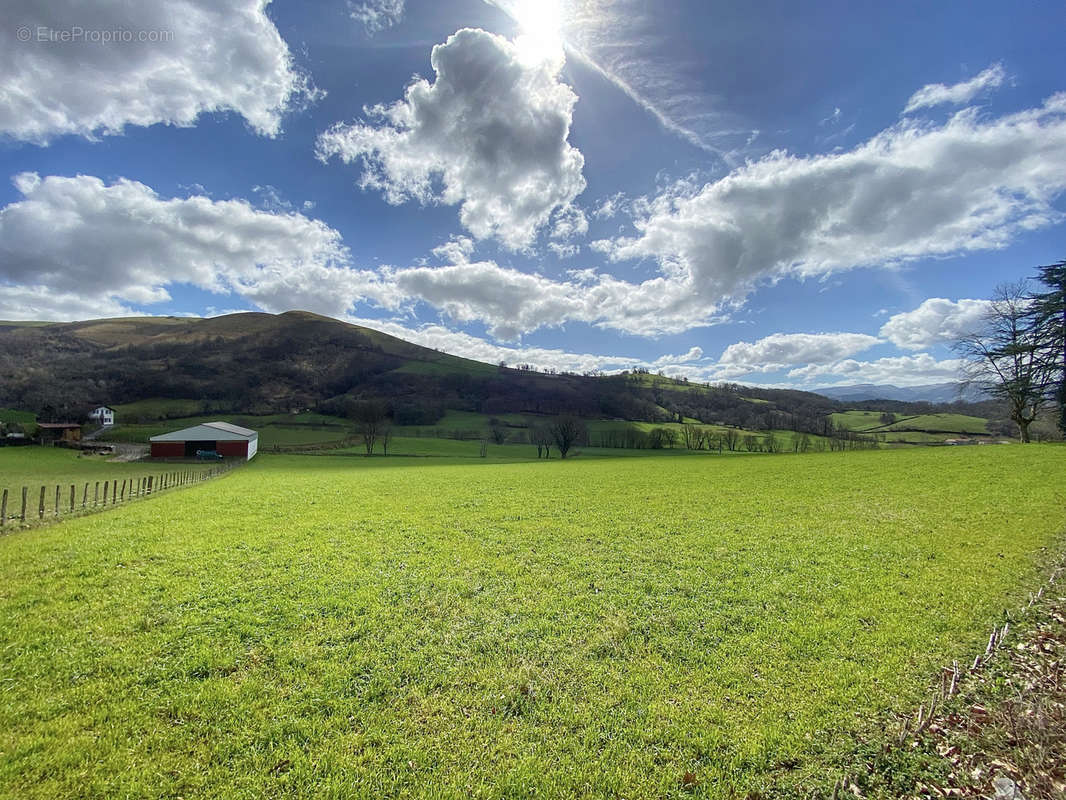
[340,627]
[954,423]
[21,417]
[921,429]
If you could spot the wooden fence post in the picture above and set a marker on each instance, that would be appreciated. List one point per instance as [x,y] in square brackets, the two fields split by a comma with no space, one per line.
[123,489]
[3,509]
[55,511]
[96,494]
[107,485]
[22,516]
[114,491]
[149,484]
[72,498]
[40,505]
[85,495]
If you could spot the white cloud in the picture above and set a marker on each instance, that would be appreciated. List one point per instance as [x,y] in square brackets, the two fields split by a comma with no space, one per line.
[785,349]
[184,58]
[270,199]
[492,128]
[570,222]
[831,119]
[563,251]
[935,321]
[611,206]
[120,244]
[378,15]
[463,344]
[913,191]
[42,303]
[898,371]
[935,94]
[456,250]
[508,301]
[693,354]
[511,302]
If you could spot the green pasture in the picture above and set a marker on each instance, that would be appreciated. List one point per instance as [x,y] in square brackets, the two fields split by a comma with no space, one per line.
[938,426]
[447,366]
[8,415]
[34,467]
[284,430]
[947,423]
[857,420]
[158,408]
[331,627]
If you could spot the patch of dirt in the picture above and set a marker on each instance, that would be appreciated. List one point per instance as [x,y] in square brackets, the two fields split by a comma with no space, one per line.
[129,452]
[996,728]
[1006,735]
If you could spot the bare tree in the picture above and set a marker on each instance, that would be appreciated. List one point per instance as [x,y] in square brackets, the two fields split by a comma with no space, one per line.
[385,436]
[566,432]
[497,433]
[541,436]
[369,417]
[693,437]
[731,437]
[1008,357]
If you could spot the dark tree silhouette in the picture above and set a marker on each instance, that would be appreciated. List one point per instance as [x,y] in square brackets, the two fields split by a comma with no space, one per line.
[566,432]
[1049,314]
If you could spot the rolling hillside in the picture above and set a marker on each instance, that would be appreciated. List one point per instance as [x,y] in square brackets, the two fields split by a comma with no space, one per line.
[162,367]
[167,368]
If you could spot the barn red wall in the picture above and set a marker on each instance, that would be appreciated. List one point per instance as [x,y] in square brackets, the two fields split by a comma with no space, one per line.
[233,449]
[168,449]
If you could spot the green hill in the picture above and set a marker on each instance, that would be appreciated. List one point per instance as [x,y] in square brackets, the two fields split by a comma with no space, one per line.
[154,369]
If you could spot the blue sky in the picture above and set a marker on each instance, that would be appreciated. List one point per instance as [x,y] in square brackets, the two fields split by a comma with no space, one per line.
[768,193]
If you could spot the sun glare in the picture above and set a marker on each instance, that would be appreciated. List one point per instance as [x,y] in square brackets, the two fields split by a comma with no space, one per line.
[540,24]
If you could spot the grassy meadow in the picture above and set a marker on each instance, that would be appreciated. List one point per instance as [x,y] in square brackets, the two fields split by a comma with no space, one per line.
[913,429]
[328,627]
[34,467]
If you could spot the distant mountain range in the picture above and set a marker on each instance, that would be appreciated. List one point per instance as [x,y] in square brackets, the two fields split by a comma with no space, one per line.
[924,393]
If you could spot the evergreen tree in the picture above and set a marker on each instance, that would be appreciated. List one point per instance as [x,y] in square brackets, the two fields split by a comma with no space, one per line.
[1049,316]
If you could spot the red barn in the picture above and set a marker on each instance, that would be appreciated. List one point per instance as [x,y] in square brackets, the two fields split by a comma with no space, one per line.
[229,441]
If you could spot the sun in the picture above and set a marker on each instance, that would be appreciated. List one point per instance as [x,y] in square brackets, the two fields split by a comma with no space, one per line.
[540,28]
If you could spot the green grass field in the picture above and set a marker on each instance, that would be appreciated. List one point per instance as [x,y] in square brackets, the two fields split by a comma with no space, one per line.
[20,417]
[34,467]
[284,430]
[952,423]
[344,627]
[919,429]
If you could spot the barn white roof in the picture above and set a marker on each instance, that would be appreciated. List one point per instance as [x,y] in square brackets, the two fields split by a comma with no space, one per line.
[206,432]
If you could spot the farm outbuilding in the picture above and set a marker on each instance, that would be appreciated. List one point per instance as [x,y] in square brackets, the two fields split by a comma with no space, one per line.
[229,441]
[52,432]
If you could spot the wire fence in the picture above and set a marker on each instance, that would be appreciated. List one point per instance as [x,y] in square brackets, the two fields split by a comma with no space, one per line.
[37,503]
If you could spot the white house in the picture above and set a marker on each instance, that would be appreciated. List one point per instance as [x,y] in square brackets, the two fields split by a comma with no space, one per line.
[104,415]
